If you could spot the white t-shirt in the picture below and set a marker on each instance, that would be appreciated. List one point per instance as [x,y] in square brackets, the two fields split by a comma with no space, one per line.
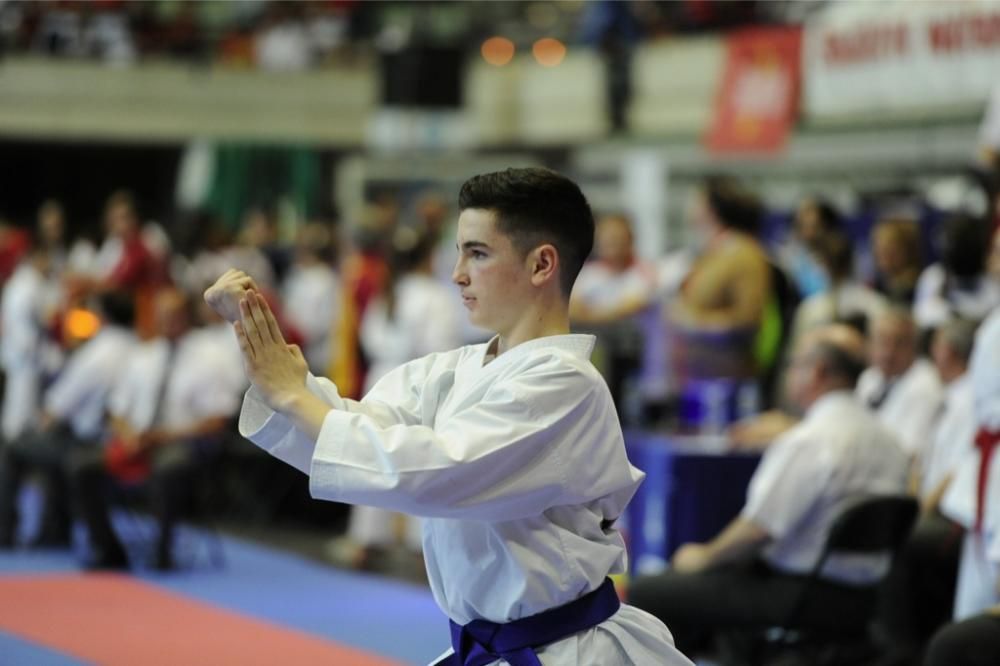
[934,304]
[80,394]
[517,463]
[312,301]
[911,406]
[426,320]
[198,386]
[954,435]
[603,289]
[811,473]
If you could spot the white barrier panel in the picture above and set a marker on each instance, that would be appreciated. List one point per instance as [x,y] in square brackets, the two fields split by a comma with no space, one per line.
[875,57]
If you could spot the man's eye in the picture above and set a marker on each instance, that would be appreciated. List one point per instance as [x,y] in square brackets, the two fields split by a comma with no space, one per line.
[476,254]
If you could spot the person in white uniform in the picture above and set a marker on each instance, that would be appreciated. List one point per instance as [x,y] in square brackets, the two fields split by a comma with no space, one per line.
[903,389]
[973,497]
[748,576]
[510,450]
[29,301]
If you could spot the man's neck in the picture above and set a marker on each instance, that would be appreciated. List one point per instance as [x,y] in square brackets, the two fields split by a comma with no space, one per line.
[536,323]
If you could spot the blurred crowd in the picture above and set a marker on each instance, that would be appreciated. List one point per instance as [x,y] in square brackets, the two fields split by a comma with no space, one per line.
[117,377]
[278,36]
[294,35]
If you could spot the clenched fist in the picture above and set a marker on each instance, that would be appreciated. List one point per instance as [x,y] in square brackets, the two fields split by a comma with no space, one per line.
[224,296]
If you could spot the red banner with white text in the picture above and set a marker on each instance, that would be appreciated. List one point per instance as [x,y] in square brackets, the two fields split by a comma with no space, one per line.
[758,99]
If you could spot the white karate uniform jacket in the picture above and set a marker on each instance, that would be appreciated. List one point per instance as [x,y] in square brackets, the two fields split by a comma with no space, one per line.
[515,462]
[979,569]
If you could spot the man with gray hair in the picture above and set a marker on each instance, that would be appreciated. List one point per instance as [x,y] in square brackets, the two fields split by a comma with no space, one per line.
[748,575]
[900,387]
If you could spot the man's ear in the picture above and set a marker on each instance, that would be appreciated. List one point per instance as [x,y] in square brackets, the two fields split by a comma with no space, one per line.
[544,264]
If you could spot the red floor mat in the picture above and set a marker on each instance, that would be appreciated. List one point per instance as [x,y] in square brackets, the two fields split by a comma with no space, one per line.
[114,619]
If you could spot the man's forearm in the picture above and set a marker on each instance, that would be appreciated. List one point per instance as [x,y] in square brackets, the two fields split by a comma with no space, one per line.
[741,539]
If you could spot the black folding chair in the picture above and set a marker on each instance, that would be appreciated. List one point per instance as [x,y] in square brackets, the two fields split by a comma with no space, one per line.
[870,525]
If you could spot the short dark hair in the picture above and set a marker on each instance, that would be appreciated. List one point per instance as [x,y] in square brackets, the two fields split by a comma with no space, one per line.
[964,245]
[535,206]
[735,206]
[839,362]
[118,307]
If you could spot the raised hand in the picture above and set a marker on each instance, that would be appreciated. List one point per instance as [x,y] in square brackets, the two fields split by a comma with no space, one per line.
[277,369]
[224,296]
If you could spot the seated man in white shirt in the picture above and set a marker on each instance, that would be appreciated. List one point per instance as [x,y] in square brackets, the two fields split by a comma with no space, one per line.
[747,576]
[903,389]
[166,413]
[72,420]
[510,450]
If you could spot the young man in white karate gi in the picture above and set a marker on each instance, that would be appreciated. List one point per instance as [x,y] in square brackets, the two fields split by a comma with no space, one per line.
[511,449]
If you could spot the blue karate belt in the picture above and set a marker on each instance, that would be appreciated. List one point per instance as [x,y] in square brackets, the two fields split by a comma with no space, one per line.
[483,642]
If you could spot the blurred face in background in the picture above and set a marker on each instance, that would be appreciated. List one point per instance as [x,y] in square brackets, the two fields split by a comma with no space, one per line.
[257,229]
[173,317]
[120,219]
[895,247]
[613,241]
[808,224]
[51,225]
[894,345]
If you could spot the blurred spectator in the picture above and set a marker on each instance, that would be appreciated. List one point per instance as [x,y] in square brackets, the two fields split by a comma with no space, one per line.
[721,304]
[258,239]
[415,314]
[107,36]
[30,299]
[237,47]
[50,231]
[312,293]
[167,413]
[843,298]
[610,290]
[60,31]
[958,285]
[802,255]
[364,272]
[896,246]
[903,389]
[125,261]
[281,43]
[72,421]
[14,243]
[920,592]
[748,575]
